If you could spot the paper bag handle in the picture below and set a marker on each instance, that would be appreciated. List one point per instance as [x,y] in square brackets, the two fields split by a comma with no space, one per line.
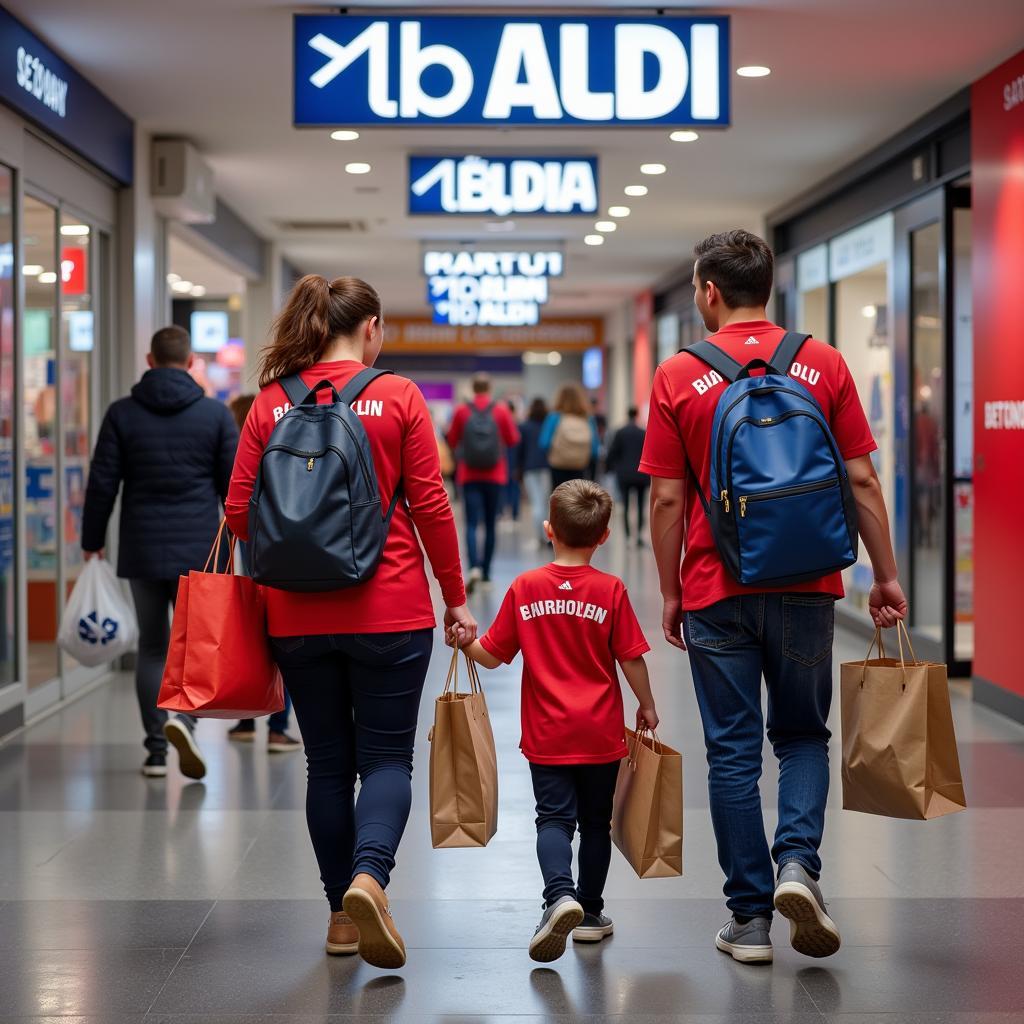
[656,744]
[451,684]
[901,634]
[214,556]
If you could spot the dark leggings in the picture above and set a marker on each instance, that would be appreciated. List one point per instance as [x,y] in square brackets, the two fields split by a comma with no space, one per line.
[571,795]
[356,698]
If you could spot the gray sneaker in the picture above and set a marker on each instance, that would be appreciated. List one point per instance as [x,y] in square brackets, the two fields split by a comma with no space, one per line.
[749,943]
[797,897]
[558,920]
[594,928]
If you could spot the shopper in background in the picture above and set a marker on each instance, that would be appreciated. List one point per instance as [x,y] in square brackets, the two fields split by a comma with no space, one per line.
[569,437]
[624,456]
[278,740]
[173,448]
[481,432]
[534,462]
[599,464]
[514,456]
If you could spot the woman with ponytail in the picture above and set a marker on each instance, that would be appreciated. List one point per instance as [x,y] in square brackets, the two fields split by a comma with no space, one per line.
[354,660]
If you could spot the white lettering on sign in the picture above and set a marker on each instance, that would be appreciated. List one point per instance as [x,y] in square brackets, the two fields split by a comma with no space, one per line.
[1004,415]
[522,75]
[35,77]
[1013,93]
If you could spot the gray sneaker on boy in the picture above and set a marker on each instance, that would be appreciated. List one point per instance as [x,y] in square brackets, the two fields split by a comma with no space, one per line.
[798,898]
[749,943]
[555,926]
[593,928]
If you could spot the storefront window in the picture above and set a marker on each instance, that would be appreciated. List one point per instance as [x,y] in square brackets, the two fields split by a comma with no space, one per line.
[812,292]
[963,438]
[8,646]
[860,265]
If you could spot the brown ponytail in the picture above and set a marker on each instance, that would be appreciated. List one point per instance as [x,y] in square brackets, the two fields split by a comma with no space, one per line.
[317,312]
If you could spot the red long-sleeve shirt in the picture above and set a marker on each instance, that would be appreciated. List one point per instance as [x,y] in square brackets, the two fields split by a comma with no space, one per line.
[404,450]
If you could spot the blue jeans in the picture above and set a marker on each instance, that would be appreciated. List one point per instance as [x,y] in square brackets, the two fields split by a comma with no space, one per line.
[356,698]
[483,502]
[788,639]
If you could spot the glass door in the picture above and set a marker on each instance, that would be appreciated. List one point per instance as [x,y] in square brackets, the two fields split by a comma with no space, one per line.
[8,585]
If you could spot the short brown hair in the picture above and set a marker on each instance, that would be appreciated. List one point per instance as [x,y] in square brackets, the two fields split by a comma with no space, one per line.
[481,383]
[579,513]
[571,400]
[171,346]
[740,264]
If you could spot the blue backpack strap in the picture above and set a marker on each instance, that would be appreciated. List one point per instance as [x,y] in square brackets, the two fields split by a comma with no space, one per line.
[786,352]
[718,360]
[358,384]
[294,389]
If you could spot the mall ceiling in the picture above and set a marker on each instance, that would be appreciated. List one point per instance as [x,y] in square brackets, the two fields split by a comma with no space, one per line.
[845,76]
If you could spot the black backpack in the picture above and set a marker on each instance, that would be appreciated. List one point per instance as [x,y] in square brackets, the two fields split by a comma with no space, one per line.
[481,443]
[315,519]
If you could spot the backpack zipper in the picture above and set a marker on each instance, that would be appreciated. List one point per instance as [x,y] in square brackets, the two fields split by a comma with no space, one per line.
[311,456]
[786,492]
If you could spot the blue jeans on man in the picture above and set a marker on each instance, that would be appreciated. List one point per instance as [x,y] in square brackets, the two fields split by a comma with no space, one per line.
[787,638]
[483,503]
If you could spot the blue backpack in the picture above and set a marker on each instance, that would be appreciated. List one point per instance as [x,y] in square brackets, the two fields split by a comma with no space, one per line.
[781,508]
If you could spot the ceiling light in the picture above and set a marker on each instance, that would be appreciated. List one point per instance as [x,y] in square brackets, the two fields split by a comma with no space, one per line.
[173,278]
[868,312]
[684,136]
[554,358]
[31,270]
[593,239]
[197,291]
[618,211]
[635,190]
[344,135]
[652,168]
[606,225]
[753,71]
[181,286]
[74,229]
[358,168]
[50,277]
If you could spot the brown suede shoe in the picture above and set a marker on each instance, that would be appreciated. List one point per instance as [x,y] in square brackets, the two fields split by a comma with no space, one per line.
[379,941]
[342,935]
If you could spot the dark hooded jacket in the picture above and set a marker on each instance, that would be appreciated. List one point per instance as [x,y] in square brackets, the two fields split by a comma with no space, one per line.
[173,448]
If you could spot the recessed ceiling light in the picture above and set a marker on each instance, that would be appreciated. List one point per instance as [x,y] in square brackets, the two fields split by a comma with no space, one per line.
[49,277]
[197,291]
[358,168]
[605,225]
[684,136]
[753,71]
[344,135]
[74,229]
[31,270]
[635,190]
[172,278]
[181,286]
[618,211]
[593,239]
[554,358]
[652,168]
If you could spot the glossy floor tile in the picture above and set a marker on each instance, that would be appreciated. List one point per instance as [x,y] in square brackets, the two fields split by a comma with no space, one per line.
[125,899]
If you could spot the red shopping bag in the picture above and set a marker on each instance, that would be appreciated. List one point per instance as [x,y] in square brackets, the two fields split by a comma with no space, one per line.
[219,663]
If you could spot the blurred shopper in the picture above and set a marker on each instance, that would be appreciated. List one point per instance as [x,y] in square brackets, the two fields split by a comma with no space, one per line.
[480,434]
[735,633]
[278,740]
[354,660]
[572,707]
[514,457]
[599,465]
[534,461]
[624,455]
[570,437]
[173,448]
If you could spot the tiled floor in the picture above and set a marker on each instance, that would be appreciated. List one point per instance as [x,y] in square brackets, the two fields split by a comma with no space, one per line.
[124,899]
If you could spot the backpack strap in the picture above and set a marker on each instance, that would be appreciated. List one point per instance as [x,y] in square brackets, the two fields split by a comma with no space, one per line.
[294,388]
[355,387]
[718,360]
[784,355]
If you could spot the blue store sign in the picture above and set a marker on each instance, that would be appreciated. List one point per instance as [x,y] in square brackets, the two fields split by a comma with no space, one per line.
[45,89]
[491,69]
[502,186]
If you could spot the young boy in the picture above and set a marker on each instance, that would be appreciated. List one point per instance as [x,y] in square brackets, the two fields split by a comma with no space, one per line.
[572,623]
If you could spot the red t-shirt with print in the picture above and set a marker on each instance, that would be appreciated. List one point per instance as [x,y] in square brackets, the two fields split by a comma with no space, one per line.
[683,401]
[507,431]
[572,623]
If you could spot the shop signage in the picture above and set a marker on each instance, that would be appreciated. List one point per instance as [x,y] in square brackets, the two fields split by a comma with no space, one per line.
[502,186]
[419,334]
[812,269]
[493,69]
[47,90]
[499,289]
[863,247]
[74,274]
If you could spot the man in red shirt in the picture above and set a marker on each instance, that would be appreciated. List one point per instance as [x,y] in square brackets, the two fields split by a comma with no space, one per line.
[480,434]
[736,633]
[572,623]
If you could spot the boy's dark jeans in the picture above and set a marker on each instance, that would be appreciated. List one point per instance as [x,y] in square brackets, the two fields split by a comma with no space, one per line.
[570,796]
[787,638]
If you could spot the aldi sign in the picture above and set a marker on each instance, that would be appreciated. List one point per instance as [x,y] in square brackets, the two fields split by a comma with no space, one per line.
[490,69]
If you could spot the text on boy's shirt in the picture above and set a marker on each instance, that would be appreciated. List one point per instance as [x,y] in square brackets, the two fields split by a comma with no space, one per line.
[577,609]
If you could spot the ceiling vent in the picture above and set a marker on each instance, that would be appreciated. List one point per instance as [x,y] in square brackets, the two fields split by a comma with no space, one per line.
[335,227]
[182,182]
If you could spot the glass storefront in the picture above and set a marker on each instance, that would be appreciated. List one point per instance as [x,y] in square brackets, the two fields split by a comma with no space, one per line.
[8,579]
[812,293]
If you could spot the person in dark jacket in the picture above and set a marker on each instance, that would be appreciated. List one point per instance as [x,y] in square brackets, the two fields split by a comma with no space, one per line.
[623,459]
[533,464]
[173,448]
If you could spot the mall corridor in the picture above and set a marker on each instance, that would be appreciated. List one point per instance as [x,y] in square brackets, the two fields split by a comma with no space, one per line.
[124,899]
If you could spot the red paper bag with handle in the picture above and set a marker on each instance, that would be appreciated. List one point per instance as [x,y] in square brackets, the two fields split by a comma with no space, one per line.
[219,663]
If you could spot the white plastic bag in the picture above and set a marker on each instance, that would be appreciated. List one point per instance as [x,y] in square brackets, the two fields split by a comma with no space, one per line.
[98,624]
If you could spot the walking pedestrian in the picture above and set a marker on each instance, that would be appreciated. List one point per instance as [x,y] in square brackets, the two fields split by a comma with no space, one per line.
[173,449]
[570,437]
[480,433]
[354,660]
[514,457]
[624,455]
[737,633]
[536,475]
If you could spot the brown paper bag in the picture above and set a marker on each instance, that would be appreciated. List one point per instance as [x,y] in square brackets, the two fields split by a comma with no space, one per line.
[647,816]
[463,765]
[899,750]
